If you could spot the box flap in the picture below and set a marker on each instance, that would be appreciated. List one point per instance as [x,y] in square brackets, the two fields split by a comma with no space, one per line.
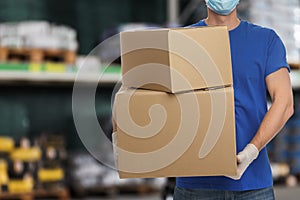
[144,54]
[148,39]
[201,55]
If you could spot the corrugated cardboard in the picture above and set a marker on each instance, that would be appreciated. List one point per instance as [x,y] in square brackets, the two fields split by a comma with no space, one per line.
[165,135]
[176,60]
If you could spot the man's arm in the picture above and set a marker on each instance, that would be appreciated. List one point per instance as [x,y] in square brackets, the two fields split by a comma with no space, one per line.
[280,90]
[279,87]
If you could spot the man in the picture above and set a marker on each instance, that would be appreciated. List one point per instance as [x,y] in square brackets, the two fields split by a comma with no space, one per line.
[259,65]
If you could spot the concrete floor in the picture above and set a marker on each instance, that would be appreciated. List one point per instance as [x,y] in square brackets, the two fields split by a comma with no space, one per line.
[281,193]
[287,193]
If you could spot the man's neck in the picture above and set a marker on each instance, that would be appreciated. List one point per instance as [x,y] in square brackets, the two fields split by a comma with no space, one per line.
[231,20]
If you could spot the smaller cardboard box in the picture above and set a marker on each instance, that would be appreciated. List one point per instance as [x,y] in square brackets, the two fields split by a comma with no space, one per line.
[176,60]
[161,134]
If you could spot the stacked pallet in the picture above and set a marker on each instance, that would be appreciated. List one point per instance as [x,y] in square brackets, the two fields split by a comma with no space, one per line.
[37,42]
[295,65]
[32,169]
[61,194]
[37,55]
[99,179]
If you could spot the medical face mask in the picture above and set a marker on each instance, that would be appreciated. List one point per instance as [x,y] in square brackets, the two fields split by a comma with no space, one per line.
[222,7]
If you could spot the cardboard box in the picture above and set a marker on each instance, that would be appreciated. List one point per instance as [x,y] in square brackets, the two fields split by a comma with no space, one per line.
[161,134]
[176,60]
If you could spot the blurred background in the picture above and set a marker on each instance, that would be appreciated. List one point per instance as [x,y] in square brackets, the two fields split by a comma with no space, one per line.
[44,43]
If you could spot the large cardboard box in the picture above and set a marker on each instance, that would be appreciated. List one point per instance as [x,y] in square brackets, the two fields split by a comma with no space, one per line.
[161,134]
[176,60]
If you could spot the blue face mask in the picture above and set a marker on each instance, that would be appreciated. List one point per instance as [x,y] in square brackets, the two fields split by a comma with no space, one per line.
[222,7]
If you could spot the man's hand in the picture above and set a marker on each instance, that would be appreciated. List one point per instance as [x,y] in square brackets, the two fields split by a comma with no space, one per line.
[244,159]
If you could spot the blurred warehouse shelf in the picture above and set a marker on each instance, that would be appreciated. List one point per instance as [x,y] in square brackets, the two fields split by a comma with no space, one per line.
[110,75]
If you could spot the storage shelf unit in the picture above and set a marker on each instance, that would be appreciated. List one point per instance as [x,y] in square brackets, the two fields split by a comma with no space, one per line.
[107,78]
[59,77]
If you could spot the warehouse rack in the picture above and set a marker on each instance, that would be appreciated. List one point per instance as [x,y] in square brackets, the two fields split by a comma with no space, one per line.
[110,76]
[58,77]
[29,73]
[61,194]
[37,55]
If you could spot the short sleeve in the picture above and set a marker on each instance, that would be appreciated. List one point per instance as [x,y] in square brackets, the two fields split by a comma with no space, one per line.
[276,55]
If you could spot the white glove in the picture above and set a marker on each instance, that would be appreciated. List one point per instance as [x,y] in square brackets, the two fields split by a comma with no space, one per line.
[244,159]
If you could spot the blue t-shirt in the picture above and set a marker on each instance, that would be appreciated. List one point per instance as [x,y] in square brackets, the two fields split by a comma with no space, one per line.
[256,52]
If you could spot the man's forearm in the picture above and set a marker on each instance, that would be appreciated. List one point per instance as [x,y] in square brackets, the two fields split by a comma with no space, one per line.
[273,122]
